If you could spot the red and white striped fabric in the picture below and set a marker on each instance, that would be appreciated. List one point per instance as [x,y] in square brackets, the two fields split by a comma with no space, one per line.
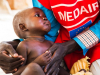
[88,38]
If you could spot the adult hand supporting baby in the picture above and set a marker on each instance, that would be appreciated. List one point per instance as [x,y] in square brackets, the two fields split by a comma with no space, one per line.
[59,50]
[8,63]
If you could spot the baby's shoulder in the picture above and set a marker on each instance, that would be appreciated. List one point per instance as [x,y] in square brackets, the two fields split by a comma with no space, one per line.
[23,43]
[30,43]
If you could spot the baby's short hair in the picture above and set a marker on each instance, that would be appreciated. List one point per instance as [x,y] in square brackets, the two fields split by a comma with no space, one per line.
[18,19]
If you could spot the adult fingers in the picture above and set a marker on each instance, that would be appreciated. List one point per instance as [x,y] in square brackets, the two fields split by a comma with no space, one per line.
[11,51]
[53,60]
[8,48]
[48,60]
[17,64]
[5,52]
[12,66]
[6,71]
[49,65]
[6,58]
[53,67]
[56,71]
[9,63]
[53,48]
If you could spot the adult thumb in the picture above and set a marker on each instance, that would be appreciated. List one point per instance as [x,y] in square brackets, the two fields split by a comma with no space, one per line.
[9,48]
[11,51]
[53,48]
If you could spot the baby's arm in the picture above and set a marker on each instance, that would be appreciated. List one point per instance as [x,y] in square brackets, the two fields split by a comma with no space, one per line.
[21,50]
[44,58]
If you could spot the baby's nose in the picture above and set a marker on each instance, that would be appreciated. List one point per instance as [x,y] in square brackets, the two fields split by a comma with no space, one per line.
[44,18]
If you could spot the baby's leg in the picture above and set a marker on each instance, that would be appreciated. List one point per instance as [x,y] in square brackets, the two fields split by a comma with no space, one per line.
[33,69]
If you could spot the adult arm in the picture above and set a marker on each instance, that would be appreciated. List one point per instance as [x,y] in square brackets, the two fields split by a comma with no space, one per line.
[59,50]
[7,63]
[89,38]
[93,37]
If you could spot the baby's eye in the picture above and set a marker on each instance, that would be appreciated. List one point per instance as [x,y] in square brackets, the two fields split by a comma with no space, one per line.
[37,15]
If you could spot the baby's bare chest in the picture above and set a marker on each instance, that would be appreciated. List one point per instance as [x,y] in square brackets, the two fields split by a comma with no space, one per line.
[37,49]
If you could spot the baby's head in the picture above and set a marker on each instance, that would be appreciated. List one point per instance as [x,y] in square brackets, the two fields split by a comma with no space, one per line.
[31,22]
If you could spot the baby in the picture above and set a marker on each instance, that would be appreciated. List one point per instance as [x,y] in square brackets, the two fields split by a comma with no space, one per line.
[31,24]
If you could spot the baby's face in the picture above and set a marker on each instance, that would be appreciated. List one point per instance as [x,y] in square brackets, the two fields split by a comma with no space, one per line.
[37,21]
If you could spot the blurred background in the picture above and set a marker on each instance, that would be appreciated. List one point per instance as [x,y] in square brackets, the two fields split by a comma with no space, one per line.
[8,8]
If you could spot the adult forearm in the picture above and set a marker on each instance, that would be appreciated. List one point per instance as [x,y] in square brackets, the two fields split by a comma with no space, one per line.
[59,50]
[71,46]
[89,38]
[14,43]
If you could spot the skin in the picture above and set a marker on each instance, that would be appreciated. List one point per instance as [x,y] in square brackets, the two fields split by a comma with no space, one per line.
[58,54]
[8,63]
[35,26]
[35,22]
[37,70]
[51,68]
[34,51]
[34,47]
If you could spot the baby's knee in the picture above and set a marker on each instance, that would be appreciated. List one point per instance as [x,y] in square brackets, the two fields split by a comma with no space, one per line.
[34,66]
[32,69]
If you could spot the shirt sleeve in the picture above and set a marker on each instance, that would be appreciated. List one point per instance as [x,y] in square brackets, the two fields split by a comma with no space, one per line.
[45,3]
[21,39]
[53,33]
[89,38]
[18,39]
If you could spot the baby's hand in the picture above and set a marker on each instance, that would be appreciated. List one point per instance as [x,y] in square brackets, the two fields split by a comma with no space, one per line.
[43,59]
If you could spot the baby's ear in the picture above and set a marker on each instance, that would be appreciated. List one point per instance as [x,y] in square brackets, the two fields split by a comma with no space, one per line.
[22,27]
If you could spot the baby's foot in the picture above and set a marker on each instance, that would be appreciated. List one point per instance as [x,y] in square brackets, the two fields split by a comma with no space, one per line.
[44,59]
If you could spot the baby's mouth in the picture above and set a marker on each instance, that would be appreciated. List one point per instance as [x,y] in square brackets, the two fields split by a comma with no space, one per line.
[47,23]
